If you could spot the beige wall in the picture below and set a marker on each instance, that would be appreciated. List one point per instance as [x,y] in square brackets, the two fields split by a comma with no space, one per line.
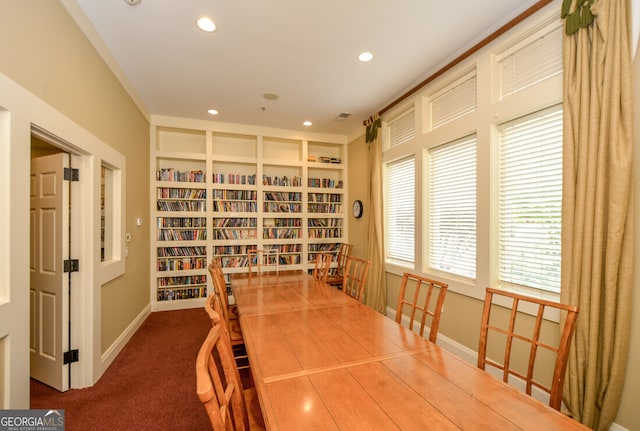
[45,52]
[358,183]
[461,318]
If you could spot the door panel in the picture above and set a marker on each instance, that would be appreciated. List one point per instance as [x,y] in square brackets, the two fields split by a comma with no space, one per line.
[49,283]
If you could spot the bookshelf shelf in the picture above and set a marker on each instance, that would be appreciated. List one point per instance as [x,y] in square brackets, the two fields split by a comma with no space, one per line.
[219,193]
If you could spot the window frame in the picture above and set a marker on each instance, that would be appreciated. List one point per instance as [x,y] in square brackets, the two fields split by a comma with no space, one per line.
[490,112]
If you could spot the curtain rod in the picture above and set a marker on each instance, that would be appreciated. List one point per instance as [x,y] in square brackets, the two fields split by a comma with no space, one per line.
[508,26]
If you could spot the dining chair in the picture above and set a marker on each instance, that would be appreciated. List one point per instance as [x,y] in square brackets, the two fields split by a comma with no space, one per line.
[263,260]
[336,274]
[218,385]
[355,277]
[228,312]
[516,328]
[425,297]
[322,265]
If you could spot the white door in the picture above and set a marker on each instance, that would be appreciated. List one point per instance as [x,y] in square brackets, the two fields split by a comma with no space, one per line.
[49,292]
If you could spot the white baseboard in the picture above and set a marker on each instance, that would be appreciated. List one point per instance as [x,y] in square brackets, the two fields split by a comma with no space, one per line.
[114,350]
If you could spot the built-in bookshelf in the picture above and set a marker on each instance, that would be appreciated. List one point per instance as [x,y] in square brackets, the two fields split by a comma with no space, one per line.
[220,193]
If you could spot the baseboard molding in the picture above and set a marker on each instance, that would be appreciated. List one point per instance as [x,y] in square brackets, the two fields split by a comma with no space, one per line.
[114,350]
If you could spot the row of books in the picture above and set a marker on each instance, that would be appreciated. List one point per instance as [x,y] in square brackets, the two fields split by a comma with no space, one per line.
[182,235]
[234,179]
[235,206]
[325,222]
[181,206]
[325,233]
[237,195]
[235,222]
[178,193]
[324,248]
[219,234]
[182,280]
[283,181]
[283,196]
[170,174]
[282,222]
[274,207]
[181,264]
[327,208]
[186,293]
[327,183]
[231,249]
[179,222]
[280,233]
[325,197]
[181,251]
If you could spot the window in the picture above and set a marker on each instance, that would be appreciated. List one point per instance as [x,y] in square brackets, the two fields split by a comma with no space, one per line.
[452,207]
[530,199]
[532,61]
[402,129]
[486,155]
[454,102]
[400,211]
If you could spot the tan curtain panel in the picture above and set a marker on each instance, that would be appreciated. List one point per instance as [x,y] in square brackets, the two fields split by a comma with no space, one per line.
[376,296]
[597,230]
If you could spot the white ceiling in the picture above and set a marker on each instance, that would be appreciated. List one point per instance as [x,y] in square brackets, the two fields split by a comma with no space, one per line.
[305,51]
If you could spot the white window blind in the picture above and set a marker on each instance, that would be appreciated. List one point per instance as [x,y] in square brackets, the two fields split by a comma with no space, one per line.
[400,211]
[452,207]
[530,199]
[455,101]
[532,63]
[402,129]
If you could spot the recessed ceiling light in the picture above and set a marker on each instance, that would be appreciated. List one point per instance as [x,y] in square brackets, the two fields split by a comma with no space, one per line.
[307,123]
[206,24]
[365,56]
[213,111]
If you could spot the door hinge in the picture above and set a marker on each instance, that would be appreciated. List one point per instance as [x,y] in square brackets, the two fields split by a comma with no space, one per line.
[71,174]
[71,356]
[71,265]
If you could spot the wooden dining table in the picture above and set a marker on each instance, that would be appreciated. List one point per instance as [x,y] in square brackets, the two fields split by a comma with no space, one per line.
[321,360]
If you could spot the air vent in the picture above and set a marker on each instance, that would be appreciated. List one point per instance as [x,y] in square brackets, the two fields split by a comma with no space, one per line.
[343,116]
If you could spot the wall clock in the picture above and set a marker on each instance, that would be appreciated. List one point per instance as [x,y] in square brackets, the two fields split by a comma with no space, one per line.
[357,208]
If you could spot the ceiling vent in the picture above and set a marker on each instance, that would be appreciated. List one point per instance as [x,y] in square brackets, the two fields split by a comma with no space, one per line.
[343,116]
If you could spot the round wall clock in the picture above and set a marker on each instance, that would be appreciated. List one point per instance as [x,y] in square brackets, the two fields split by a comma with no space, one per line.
[357,208]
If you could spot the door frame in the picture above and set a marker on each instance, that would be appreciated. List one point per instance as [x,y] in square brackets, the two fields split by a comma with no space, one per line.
[21,112]
[79,301]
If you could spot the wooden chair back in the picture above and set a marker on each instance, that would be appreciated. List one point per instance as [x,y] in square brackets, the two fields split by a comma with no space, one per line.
[218,384]
[511,331]
[355,277]
[263,260]
[424,297]
[322,265]
[219,284]
[228,312]
[336,274]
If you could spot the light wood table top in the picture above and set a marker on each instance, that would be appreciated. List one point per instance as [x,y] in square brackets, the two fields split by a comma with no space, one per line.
[320,360]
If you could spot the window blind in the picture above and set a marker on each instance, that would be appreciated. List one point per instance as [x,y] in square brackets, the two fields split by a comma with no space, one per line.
[452,207]
[530,200]
[400,211]
[402,129]
[454,102]
[532,63]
